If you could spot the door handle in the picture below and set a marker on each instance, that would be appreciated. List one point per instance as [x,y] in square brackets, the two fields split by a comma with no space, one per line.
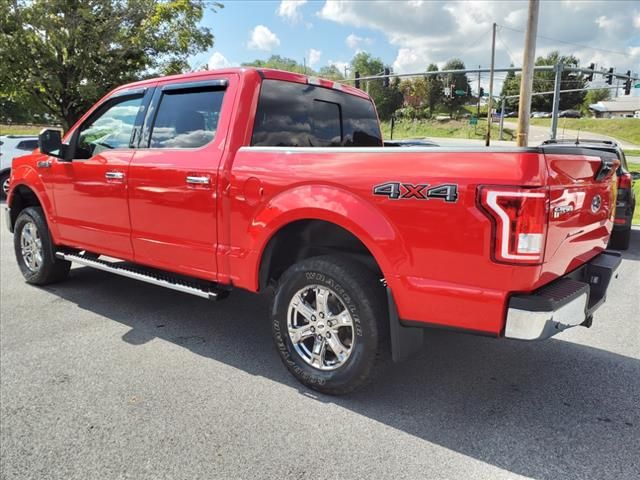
[44,164]
[114,175]
[198,180]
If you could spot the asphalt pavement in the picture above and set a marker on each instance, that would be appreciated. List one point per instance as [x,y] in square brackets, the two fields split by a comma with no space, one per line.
[102,377]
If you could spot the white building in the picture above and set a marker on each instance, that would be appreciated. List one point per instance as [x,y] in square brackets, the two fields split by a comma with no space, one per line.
[626,106]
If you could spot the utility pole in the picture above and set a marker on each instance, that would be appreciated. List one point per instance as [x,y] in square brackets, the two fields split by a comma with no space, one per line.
[502,117]
[490,102]
[556,101]
[526,83]
[478,109]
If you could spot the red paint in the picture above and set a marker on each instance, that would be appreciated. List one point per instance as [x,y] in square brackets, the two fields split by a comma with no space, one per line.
[437,256]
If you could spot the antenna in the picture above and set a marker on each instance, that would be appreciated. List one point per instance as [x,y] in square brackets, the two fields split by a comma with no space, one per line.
[578,137]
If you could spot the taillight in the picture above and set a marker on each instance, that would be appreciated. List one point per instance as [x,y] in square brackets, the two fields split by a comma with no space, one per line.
[519,217]
[624,180]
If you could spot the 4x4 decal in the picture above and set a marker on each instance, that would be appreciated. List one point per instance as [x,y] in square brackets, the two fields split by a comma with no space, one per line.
[397,190]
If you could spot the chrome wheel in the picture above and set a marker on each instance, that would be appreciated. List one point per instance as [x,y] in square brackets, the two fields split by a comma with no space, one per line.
[320,327]
[5,186]
[31,247]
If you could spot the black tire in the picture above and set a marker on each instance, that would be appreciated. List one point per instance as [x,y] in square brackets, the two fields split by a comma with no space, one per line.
[51,269]
[3,178]
[362,294]
[620,239]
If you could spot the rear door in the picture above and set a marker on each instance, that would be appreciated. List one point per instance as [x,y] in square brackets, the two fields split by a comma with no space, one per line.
[173,177]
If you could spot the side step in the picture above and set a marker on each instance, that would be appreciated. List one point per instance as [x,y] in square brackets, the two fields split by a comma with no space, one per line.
[155,277]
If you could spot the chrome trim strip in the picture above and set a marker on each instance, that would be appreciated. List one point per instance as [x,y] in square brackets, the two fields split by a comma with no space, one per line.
[389,150]
[209,295]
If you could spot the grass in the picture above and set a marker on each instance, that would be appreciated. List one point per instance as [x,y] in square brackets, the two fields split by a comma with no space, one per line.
[627,129]
[20,129]
[629,152]
[441,129]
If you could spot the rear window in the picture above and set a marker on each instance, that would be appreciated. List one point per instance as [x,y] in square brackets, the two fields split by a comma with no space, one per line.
[298,115]
[187,119]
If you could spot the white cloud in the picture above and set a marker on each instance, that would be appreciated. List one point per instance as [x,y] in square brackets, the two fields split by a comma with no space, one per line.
[434,31]
[355,42]
[218,60]
[289,10]
[340,65]
[261,38]
[313,56]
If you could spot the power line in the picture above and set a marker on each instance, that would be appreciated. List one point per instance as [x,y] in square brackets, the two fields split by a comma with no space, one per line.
[571,43]
[507,48]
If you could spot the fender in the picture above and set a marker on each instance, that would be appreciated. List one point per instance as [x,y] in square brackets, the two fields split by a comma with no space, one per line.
[331,204]
[27,176]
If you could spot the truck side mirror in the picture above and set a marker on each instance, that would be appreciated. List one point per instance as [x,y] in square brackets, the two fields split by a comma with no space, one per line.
[50,142]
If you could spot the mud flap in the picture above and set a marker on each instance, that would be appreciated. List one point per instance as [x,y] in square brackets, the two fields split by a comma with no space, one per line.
[405,341]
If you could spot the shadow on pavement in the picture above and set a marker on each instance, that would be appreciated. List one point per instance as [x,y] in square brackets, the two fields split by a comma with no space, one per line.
[553,409]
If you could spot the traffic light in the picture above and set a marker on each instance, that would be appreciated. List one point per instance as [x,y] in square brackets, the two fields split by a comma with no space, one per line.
[357,79]
[610,77]
[627,84]
[385,81]
[468,90]
[592,67]
[452,90]
[481,92]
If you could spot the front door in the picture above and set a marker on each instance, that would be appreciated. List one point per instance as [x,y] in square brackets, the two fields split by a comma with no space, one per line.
[173,178]
[90,190]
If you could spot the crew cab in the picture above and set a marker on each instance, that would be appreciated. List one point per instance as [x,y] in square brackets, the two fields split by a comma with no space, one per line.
[260,179]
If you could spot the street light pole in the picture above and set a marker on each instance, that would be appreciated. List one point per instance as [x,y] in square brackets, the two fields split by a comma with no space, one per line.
[556,101]
[526,83]
[489,103]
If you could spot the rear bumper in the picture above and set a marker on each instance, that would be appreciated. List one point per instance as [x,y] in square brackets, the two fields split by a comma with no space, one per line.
[563,303]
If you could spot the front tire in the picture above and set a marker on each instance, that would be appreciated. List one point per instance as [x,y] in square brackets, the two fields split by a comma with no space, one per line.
[330,322]
[34,249]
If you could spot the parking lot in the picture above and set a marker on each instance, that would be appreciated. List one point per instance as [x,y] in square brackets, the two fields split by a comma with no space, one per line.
[103,378]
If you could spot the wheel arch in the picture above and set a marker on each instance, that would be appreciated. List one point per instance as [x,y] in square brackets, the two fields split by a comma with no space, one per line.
[344,222]
[28,191]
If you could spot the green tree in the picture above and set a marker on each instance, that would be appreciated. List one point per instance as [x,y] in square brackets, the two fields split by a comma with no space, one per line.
[331,72]
[511,86]
[455,81]
[387,99]
[433,89]
[597,95]
[280,63]
[544,82]
[66,54]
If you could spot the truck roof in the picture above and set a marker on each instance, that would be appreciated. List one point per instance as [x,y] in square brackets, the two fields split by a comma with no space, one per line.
[265,73]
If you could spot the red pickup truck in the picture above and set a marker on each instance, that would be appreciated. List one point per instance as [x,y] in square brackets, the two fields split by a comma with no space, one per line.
[258,179]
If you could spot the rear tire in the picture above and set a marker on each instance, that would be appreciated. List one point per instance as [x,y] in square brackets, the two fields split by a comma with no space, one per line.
[330,323]
[620,239]
[35,251]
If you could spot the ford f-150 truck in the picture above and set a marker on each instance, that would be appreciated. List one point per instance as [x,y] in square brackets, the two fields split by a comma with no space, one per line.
[260,179]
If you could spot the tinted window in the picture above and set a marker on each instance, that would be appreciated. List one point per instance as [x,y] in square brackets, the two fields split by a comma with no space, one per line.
[297,115]
[110,128]
[27,145]
[186,119]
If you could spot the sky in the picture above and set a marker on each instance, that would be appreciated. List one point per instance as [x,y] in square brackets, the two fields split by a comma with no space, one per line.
[408,35]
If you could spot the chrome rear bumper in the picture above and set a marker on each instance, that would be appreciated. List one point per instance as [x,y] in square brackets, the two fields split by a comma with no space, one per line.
[563,303]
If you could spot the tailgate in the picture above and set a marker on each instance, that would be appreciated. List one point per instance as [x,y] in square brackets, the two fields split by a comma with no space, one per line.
[582,193]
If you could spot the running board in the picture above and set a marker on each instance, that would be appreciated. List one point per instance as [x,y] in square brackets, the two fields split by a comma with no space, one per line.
[136,272]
